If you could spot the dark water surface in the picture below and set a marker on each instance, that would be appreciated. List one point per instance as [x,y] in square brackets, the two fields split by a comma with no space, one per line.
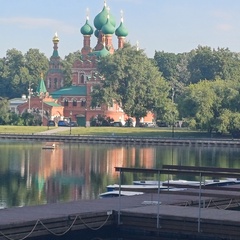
[30,175]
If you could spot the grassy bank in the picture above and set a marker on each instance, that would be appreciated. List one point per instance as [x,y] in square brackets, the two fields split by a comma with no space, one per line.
[110,131]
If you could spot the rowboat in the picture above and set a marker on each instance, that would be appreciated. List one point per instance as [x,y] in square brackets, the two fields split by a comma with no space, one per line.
[49,146]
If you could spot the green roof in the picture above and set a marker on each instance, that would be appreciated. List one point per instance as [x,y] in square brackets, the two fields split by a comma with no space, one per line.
[55,53]
[102,53]
[121,31]
[70,91]
[53,104]
[41,89]
[87,29]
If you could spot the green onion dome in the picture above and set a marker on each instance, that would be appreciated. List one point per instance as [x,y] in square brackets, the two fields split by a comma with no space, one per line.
[101,18]
[96,33]
[87,29]
[102,53]
[108,28]
[121,31]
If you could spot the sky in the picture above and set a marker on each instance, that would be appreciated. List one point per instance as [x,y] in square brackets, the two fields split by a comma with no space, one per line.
[174,26]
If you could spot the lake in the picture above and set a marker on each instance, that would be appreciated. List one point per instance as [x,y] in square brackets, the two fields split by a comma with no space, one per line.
[30,175]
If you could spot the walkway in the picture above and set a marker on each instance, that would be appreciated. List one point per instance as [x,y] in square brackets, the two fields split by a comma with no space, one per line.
[53,131]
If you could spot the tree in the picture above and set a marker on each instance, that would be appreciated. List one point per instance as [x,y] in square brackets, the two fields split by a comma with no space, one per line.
[36,63]
[132,81]
[210,104]
[209,64]
[18,70]
[167,64]
[4,111]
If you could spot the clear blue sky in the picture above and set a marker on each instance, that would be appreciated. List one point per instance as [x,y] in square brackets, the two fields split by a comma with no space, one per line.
[162,25]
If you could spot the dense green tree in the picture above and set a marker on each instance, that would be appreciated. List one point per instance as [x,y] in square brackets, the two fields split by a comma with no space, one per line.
[11,71]
[4,111]
[203,65]
[133,81]
[209,64]
[36,63]
[197,103]
[209,104]
[18,70]
[167,64]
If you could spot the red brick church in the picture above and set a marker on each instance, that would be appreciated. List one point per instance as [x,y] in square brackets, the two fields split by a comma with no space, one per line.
[58,102]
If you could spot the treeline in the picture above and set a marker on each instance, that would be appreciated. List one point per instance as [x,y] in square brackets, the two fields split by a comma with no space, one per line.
[18,70]
[205,86]
[200,87]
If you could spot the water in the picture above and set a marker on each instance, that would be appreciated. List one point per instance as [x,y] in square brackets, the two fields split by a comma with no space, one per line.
[30,175]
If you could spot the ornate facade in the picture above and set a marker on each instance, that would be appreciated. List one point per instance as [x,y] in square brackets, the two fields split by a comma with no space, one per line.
[75,100]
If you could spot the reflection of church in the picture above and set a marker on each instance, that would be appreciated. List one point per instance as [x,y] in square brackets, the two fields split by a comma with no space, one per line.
[59,102]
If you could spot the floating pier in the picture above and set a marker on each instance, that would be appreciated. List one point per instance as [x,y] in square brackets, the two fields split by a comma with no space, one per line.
[194,212]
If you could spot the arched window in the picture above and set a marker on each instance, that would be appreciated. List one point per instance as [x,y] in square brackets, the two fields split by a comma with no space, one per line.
[65,102]
[55,82]
[49,83]
[74,102]
[82,78]
[83,103]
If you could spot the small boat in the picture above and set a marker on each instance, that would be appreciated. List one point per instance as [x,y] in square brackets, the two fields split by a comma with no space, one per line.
[210,182]
[146,182]
[182,182]
[116,193]
[135,187]
[49,146]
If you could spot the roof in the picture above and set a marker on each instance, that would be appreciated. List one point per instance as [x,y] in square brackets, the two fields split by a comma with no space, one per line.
[70,91]
[18,100]
[53,104]
[41,89]
[102,53]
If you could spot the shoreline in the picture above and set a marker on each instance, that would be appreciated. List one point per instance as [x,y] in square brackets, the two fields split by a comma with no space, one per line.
[129,140]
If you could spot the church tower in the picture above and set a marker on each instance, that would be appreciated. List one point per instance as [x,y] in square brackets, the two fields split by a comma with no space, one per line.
[54,78]
[121,32]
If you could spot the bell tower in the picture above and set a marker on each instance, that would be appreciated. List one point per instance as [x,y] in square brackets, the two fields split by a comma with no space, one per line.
[54,78]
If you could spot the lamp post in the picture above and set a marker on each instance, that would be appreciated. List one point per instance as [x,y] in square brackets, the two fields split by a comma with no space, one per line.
[29,96]
[70,120]
[85,117]
[173,112]
[48,118]
[42,111]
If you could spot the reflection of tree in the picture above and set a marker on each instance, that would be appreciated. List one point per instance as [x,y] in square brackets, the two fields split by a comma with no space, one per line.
[15,191]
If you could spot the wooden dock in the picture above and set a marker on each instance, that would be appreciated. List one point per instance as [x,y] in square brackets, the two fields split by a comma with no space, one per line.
[177,214]
[199,213]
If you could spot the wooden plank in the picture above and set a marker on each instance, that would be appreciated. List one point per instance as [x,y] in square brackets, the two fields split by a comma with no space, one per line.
[206,169]
[176,172]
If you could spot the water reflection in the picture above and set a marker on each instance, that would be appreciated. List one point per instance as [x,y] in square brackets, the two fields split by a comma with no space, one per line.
[30,175]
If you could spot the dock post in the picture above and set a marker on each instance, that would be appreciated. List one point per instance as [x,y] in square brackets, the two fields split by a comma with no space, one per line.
[158,212]
[199,203]
[119,198]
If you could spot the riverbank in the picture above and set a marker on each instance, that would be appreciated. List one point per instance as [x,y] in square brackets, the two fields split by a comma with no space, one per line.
[148,132]
[124,140]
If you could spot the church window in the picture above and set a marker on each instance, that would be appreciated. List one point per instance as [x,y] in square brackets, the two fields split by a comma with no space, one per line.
[55,82]
[50,83]
[74,103]
[83,103]
[82,78]
[65,102]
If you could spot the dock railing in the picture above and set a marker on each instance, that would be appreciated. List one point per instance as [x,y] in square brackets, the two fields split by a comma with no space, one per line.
[183,170]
